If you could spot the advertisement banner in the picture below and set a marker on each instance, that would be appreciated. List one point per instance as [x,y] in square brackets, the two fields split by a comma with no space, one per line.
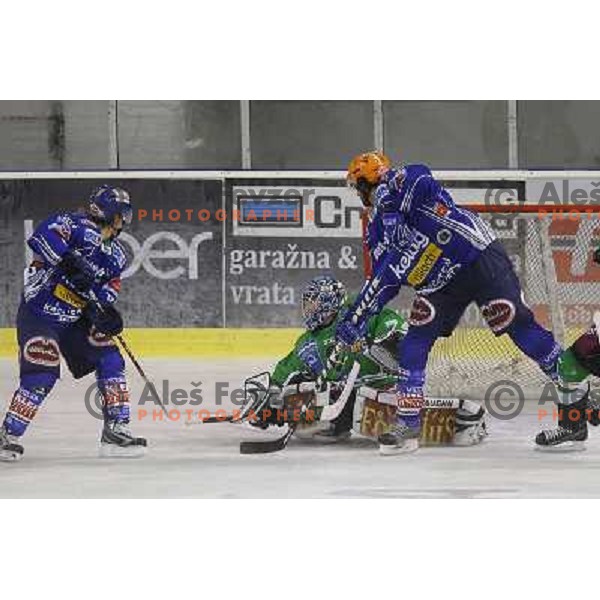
[282,234]
[285,232]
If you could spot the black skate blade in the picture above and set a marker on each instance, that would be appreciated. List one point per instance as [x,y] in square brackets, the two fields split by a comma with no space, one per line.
[565,448]
[265,447]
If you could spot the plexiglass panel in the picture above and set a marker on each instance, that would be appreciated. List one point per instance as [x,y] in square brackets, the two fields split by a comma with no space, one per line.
[447,134]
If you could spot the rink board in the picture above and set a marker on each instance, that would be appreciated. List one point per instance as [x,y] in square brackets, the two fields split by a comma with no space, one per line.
[232,342]
[167,342]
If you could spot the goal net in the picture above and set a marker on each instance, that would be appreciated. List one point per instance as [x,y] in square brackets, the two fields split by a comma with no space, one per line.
[552,251]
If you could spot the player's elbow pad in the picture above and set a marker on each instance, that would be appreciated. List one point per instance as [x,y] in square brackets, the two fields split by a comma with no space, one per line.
[44,247]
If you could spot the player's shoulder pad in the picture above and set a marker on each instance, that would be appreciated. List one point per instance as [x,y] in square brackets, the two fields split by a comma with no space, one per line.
[416,170]
[394,178]
[388,192]
[86,232]
[61,223]
[303,339]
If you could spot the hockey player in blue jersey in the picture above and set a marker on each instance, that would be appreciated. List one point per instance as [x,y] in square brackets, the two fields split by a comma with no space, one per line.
[67,308]
[418,236]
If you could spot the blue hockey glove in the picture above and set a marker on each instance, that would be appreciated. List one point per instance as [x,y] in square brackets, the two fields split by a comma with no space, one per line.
[79,271]
[350,335]
[107,320]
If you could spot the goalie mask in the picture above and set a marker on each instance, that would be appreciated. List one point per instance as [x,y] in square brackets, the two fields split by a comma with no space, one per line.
[321,301]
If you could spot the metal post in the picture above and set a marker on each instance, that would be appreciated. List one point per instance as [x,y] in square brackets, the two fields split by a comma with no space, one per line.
[245,129]
[378,124]
[513,137]
[113,135]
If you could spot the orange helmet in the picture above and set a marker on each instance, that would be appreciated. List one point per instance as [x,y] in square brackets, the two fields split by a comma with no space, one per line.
[365,171]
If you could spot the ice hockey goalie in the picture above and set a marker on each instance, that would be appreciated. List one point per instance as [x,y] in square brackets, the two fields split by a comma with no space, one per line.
[370,409]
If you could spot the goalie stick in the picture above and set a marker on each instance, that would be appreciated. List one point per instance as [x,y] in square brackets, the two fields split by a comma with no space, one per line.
[268,446]
[333,411]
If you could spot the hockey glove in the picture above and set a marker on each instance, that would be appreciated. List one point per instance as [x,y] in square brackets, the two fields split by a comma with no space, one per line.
[107,319]
[79,271]
[351,335]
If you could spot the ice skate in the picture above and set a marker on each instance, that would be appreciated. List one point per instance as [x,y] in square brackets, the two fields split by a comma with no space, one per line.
[10,449]
[117,441]
[572,431]
[401,440]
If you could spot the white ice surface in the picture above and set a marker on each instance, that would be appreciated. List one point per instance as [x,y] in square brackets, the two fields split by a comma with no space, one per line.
[203,461]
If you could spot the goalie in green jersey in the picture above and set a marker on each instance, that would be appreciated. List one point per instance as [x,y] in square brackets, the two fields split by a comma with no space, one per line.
[366,412]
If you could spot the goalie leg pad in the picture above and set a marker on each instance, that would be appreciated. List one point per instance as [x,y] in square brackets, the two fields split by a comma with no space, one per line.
[471,426]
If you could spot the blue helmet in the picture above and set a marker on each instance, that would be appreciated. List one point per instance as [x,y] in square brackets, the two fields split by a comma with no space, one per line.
[106,202]
[322,299]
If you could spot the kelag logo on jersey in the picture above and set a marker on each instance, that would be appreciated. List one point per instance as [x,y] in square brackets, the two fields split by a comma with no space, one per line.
[417,245]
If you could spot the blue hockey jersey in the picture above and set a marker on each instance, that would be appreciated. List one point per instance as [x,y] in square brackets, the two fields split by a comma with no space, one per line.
[47,290]
[417,236]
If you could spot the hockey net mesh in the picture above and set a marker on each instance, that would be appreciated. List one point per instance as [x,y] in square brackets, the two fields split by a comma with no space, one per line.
[552,255]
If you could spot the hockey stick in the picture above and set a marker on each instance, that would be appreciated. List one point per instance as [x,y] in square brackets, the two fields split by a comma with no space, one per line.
[333,411]
[225,419]
[141,373]
[268,446]
[133,359]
